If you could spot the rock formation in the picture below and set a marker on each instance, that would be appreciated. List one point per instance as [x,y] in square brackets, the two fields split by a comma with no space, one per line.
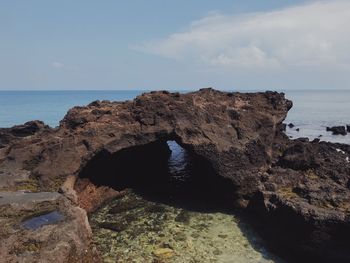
[297,190]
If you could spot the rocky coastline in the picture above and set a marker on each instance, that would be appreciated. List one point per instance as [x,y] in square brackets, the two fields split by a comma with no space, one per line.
[297,191]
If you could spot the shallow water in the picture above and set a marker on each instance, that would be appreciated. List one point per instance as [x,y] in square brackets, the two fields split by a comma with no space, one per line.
[179,220]
[42,220]
[133,229]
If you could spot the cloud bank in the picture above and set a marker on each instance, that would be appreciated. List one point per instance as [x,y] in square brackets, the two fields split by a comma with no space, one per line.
[314,35]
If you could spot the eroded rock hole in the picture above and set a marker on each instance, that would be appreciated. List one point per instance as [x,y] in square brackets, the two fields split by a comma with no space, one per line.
[163,172]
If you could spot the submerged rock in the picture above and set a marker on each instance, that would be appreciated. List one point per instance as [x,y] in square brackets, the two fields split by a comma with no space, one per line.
[163,253]
[114,226]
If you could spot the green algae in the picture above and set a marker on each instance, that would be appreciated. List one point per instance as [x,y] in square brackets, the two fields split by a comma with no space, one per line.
[144,231]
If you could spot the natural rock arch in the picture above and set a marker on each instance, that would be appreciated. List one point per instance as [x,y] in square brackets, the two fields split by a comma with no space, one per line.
[240,134]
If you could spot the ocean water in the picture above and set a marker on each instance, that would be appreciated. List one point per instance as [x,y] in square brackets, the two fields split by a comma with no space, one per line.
[17,107]
[312,112]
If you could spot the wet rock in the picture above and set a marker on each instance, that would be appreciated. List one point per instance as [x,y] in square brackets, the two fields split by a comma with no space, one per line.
[348,128]
[291,125]
[337,130]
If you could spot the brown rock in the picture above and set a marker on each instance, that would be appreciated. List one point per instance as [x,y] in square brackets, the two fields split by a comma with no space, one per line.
[301,200]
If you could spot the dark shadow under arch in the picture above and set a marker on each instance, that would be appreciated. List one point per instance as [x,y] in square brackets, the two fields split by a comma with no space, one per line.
[164,172]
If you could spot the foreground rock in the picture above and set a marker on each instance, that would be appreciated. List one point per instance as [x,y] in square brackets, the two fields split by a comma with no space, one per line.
[28,236]
[298,190]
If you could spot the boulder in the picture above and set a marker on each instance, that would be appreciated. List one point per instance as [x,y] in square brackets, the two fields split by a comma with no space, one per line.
[43,227]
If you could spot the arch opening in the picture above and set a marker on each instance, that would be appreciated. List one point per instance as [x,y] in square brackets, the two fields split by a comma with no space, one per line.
[177,199]
[164,172]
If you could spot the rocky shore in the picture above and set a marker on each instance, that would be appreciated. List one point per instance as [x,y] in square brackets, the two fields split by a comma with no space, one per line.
[296,191]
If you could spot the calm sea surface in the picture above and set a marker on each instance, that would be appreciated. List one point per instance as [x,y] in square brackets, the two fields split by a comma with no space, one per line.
[312,112]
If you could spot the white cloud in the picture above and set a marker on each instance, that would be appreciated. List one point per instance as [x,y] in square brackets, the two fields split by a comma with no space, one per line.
[57,65]
[313,35]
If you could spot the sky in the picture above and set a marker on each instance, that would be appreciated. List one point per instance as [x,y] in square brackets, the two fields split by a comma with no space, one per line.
[175,45]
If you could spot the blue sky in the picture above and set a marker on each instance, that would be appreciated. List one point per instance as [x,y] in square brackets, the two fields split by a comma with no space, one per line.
[161,44]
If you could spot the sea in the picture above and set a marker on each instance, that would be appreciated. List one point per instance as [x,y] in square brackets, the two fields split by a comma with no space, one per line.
[312,112]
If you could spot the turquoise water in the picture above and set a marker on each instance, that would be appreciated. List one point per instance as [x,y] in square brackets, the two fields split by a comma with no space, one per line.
[312,112]
[17,107]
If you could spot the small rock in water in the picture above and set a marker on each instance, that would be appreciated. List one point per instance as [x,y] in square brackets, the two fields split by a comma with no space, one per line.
[336,130]
[164,253]
[291,125]
[348,128]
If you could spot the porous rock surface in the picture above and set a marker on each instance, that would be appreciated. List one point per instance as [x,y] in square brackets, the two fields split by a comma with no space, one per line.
[297,190]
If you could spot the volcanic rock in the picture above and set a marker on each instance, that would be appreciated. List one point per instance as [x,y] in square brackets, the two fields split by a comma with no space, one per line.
[67,240]
[298,191]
